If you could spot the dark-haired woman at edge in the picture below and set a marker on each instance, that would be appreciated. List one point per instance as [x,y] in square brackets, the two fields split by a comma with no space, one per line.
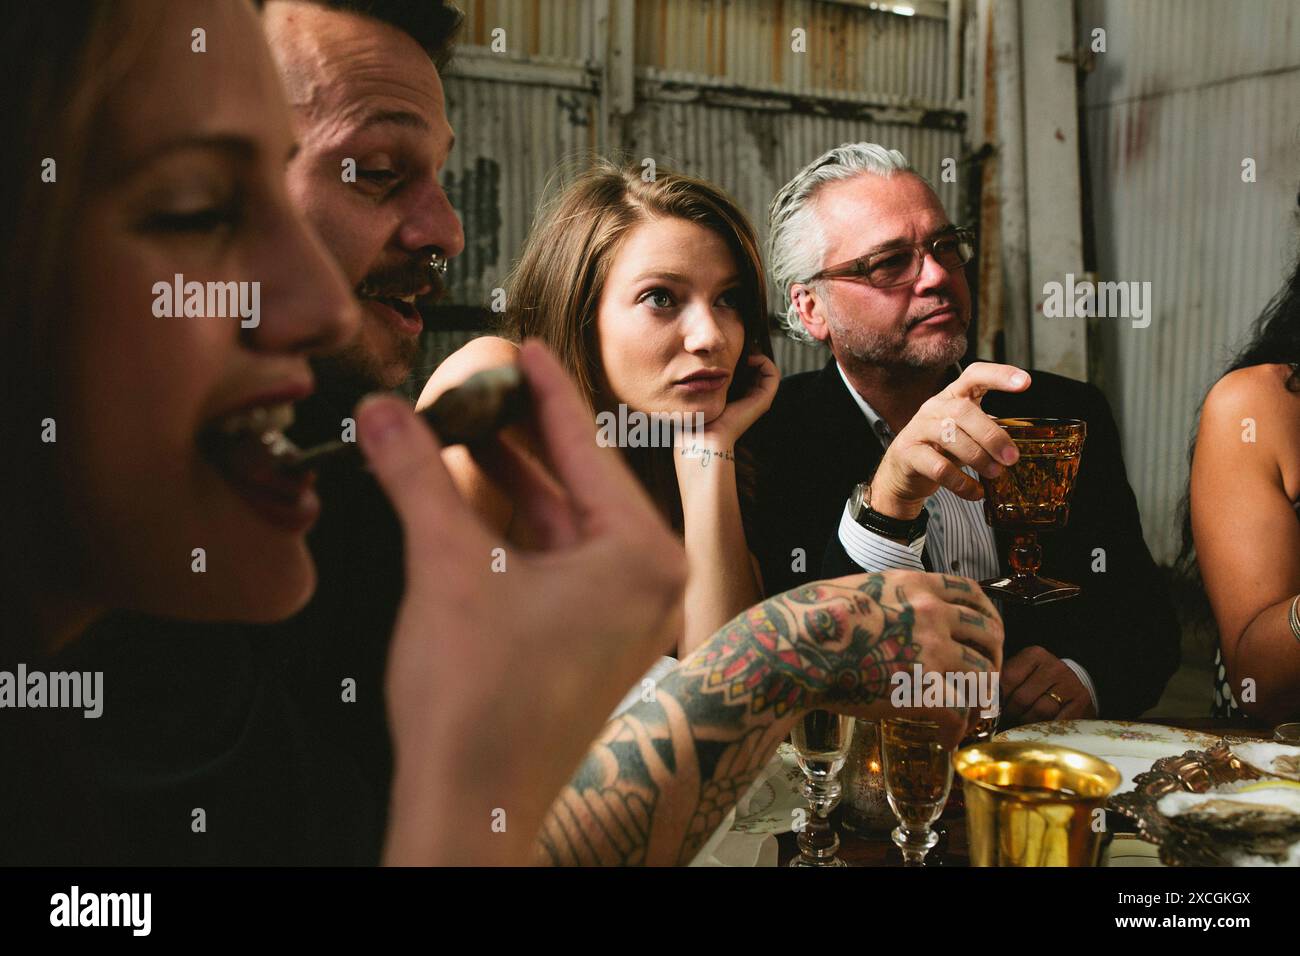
[1243,517]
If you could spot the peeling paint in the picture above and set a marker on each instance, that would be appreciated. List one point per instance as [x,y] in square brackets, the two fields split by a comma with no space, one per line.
[476,196]
[574,109]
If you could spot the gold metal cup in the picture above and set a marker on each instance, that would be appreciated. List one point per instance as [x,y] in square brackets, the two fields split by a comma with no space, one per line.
[1031,804]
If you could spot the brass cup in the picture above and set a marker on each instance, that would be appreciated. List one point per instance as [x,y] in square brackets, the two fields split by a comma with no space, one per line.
[1031,804]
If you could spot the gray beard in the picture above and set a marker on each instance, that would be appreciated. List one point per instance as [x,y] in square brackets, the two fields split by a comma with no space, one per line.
[891,349]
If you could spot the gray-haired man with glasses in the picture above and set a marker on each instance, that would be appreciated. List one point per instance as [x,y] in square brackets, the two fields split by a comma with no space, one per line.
[874,462]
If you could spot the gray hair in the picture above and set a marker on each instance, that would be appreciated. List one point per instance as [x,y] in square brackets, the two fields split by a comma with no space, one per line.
[796,242]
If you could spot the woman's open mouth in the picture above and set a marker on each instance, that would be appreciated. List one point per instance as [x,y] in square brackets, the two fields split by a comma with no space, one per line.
[242,447]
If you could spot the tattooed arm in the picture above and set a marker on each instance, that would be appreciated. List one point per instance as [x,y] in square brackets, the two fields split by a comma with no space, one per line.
[661,777]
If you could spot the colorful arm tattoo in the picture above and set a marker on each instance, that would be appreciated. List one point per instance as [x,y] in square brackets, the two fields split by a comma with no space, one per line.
[661,777]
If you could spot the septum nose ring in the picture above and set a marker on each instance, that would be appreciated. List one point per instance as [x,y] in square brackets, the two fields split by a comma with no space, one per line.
[438,263]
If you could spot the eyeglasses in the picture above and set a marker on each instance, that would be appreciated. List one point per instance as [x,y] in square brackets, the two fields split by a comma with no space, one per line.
[902,264]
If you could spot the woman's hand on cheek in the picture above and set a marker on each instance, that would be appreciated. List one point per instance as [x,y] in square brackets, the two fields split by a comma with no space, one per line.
[741,413]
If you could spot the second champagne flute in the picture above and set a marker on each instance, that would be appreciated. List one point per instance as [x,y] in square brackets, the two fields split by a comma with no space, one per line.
[918,776]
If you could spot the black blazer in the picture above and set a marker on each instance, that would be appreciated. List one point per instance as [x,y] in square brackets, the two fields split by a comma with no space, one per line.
[815,445]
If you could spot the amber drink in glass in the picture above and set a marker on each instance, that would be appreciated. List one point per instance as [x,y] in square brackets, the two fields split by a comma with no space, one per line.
[1030,496]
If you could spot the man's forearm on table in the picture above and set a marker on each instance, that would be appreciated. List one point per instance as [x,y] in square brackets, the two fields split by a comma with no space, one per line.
[663,776]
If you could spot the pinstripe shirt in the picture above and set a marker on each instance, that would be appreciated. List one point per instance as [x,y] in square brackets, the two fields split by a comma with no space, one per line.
[959,540]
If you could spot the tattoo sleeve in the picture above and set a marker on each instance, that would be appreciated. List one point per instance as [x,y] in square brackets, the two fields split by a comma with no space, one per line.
[662,776]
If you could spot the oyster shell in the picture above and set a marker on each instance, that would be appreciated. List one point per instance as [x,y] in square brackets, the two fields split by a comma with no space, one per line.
[1270,759]
[1245,821]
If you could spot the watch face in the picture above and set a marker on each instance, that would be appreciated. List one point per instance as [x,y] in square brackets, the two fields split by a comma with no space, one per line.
[858,501]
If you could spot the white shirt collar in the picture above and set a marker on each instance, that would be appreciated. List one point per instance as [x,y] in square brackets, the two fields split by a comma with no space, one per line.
[878,425]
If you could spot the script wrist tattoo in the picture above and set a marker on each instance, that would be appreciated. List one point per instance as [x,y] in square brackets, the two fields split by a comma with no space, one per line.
[707,456]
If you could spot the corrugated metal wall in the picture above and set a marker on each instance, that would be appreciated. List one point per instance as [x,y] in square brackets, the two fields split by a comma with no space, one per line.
[748,43]
[556,29]
[1187,90]
[510,139]
[702,69]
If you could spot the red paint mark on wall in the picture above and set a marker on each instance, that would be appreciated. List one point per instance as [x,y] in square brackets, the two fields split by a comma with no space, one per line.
[1137,132]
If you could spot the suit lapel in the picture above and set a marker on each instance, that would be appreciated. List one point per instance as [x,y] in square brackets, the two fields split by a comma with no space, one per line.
[853,452]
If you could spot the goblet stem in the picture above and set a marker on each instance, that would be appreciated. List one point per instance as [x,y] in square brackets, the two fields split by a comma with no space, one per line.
[1026,555]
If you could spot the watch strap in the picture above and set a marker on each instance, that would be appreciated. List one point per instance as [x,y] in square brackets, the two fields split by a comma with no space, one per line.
[886,525]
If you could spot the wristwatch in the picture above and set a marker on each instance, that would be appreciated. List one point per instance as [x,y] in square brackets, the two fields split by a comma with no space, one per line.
[860,510]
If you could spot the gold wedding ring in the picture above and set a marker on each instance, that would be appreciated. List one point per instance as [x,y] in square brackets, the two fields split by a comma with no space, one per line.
[1059,703]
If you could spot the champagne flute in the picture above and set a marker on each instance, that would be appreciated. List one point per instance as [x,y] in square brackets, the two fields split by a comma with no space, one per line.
[918,776]
[821,742]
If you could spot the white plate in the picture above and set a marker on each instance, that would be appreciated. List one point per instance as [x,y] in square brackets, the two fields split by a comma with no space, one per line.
[1130,746]
[1128,850]
[774,796]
